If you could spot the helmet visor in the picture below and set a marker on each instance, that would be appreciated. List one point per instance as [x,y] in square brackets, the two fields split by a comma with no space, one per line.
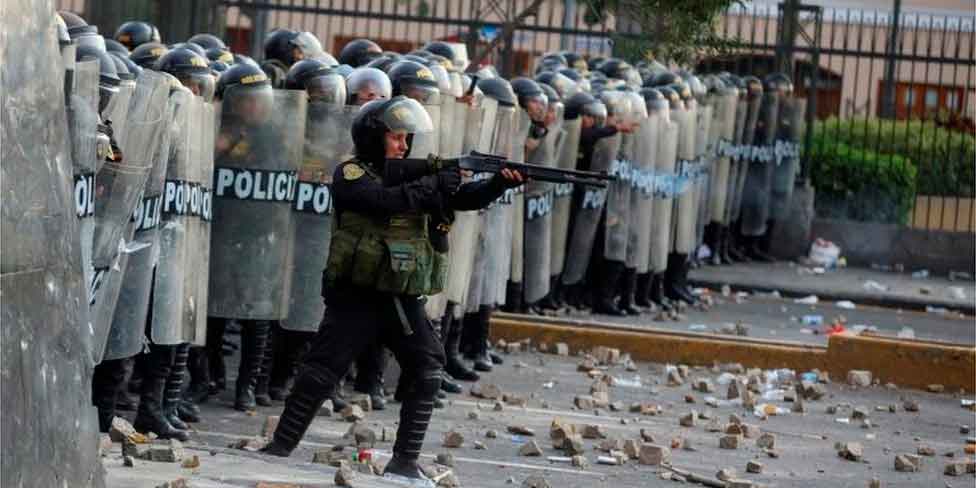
[329,88]
[406,115]
[367,84]
[251,104]
[421,91]
[201,84]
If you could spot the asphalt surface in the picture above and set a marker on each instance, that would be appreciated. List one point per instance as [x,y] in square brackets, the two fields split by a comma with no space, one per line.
[805,442]
[771,317]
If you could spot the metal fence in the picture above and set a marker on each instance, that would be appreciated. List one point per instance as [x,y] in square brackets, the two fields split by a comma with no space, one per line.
[890,97]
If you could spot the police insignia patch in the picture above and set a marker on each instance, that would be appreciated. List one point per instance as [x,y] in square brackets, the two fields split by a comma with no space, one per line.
[352,171]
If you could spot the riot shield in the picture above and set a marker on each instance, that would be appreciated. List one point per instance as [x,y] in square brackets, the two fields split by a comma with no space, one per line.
[724,131]
[464,233]
[745,151]
[642,192]
[117,110]
[479,136]
[427,143]
[731,212]
[618,195]
[536,245]
[328,142]
[509,140]
[258,155]
[516,273]
[703,167]
[588,205]
[83,131]
[787,155]
[127,335]
[759,173]
[665,186]
[686,212]
[201,203]
[563,196]
[119,186]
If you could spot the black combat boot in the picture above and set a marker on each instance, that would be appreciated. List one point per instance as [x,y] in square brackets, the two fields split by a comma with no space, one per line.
[254,339]
[199,390]
[766,240]
[610,274]
[262,382]
[173,394]
[657,294]
[150,416]
[215,354]
[482,361]
[312,387]
[737,243]
[628,291]
[676,279]
[369,375]
[469,335]
[755,252]
[713,239]
[553,300]
[107,380]
[415,413]
[642,292]
[451,334]
[514,302]
[723,252]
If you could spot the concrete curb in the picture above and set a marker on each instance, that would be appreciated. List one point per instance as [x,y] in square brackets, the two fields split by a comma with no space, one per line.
[887,301]
[906,363]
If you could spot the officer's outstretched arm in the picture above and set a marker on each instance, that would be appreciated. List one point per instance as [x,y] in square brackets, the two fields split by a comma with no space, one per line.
[479,194]
[354,190]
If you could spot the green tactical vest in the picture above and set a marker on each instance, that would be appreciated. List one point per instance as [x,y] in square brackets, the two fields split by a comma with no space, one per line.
[388,254]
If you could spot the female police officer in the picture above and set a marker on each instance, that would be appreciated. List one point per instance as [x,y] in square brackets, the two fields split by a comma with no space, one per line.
[381,264]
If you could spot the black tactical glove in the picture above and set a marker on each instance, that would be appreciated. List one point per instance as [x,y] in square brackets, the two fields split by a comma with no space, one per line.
[499,181]
[449,180]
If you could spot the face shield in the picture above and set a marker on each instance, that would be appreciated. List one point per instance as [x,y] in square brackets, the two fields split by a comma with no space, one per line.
[311,48]
[597,110]
[442,77]
[90,39]
[367,84]
[638,108]
[405,115]
[251,104]
[201,84]
[330,88]
[457,84]
[536,106]
[421,90]
[565,86]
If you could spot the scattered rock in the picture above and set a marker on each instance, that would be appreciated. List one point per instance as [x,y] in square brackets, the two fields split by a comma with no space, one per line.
[122,429]
[448,480]
[874,483]
[491,434]
[955,469]
[562,349]
[182,483]
[654,455]
[594,432]
[445,459]
[520,430]
[713,426]
[330,457]
[754,467]
[530,448]
[326,410]
[859,413]
[573,444]
[935,388]
[851,451]
[766,441]
[674,378]
[646,436]
[191,463]
[859,378]
[344,475]
[910,405]
[362,435]
[908,463]
[478,445]
[535,481]
[725,474]
[486,391]
[606,355]
[130,462]
[474,415]
[729,442]
[750,431]
[352,413]
[773,453]
[925,450]
[498,406]
[733,429]
[454,439]
[748,399]
[364,401]
[612,444]
[584,402]
[586,365]
[166,451]
[733,390]
[632,449]
[738,484]
[645,408]
[704,385]
[579,461]
[688,420]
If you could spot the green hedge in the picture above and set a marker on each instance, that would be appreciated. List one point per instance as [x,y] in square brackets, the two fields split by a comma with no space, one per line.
[859,184]
[945,159]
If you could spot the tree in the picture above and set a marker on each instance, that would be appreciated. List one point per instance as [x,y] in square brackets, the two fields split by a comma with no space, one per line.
[679,31]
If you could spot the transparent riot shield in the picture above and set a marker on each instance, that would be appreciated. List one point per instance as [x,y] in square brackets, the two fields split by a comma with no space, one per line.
[759,175]
[119,186]
[665,186]
[427,143]
[617,198]
[642,192]
[787,156]
[537,211]
[328,142]
[566,156]
[724,134]
[588,205]
[685,208]
[746,148]
[257,158]
[117,110]
[201,206]
[127,335]
[702,168]
[517,210]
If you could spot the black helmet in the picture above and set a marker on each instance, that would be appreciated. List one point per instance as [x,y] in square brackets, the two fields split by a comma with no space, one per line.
[245,59]
[122,68]
[683,90]
[778,82]
[654,99]
[108,77]
[413,80]
[218,67]
[424,60]
[147,54]
[359,52]
[498,89]
[76,25]
[575,61]
[135,33]
[113,46]
[366,84]
[384,61]
[378,117]
[673,98]
[207,41]
[245,83]
[319,80]
[441,48]
[552,97]
[278,45]
[191,69]
[191,46]
[753,87]
[662,78]
[593,63]
[220,54]
[561,83]
[527,90]
[583,103]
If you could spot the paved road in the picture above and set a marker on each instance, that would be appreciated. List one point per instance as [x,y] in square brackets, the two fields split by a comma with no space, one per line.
[781,318]
[805,442]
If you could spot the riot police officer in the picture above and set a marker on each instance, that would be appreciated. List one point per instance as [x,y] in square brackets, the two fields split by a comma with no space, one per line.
[359,52]
[135,33]
[377,273]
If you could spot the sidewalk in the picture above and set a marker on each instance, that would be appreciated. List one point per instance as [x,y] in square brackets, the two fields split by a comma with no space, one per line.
[861,286]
